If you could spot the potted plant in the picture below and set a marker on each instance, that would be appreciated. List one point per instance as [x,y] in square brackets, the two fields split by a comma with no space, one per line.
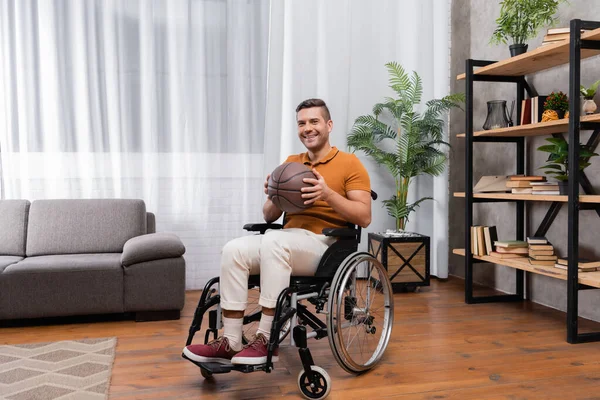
[589,106]
[558,160]
[418,137]
[558,102]
[409,143]
[520,20]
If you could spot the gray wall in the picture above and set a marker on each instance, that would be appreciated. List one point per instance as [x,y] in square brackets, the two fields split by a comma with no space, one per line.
[472,26]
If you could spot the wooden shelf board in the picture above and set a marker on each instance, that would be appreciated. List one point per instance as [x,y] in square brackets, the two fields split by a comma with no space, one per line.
[585,278]
[542,128]
[584,198]
[539,59]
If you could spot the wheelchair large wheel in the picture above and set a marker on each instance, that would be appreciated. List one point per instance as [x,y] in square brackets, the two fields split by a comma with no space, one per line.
[361,312]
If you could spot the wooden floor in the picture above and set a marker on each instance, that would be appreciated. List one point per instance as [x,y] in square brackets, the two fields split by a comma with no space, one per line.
[441,348]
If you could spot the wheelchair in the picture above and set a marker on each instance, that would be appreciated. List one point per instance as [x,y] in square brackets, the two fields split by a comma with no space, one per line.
[351,289]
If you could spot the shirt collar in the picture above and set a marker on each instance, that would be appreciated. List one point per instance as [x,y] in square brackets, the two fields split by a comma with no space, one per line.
[332,153]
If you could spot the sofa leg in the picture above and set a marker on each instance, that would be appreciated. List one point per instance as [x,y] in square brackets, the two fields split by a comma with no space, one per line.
[142,316]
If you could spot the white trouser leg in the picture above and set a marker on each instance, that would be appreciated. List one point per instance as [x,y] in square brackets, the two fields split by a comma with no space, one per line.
[276,255]
[284,253]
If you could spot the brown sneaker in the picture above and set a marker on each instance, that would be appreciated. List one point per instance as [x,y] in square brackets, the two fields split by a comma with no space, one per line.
[217,351]
[255,352]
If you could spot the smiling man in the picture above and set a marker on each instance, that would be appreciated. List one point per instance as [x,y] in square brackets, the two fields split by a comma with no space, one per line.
[340,194]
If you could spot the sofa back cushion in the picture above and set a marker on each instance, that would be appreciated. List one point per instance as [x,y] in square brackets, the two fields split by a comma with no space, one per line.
[13,227]
[83,226]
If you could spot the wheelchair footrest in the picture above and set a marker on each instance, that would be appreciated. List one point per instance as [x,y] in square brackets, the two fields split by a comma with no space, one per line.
[217,368]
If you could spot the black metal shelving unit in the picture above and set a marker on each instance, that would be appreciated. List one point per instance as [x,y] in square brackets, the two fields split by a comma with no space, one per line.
[575,126]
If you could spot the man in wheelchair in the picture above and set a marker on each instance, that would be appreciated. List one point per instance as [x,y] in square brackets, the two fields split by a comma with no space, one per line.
[340,196]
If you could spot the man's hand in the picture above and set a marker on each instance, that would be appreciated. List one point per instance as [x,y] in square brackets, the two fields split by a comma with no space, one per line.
[267,185]
[319,190]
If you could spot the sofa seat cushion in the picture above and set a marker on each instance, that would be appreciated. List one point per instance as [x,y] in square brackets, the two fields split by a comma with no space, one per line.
[5,261]
[62,285]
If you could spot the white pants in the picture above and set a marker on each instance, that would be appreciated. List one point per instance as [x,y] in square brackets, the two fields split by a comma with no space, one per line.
[276,255]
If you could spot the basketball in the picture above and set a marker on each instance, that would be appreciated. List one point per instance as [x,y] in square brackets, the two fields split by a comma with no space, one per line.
[284,186]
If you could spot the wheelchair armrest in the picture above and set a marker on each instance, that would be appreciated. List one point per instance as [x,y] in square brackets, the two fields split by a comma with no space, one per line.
[262,228]
[340,232]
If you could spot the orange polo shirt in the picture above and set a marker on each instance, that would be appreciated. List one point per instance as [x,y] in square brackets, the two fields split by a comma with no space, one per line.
[342,172]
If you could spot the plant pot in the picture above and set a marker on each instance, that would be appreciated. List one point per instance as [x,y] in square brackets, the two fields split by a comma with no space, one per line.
[561,113]
[563,187]
[589,106]
[516,49]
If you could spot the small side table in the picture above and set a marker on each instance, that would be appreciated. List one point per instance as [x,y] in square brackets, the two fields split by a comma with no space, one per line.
[405,256]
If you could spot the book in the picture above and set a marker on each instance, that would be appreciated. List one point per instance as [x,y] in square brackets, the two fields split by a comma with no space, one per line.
[545,187]
[481,250]
[553,257]
[545,183]
[583,262]
[525,112]
[533,253]
[537,108]
[511,243]
[546,192]
[537,240]
[541,247]
[490,234]
[518,184]
[521,190]
[526,178]
[541,262]
[507,255]
[513,250]
[580,268]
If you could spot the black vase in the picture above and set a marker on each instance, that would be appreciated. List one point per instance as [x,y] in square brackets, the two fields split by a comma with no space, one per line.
[516,49]
[560,113]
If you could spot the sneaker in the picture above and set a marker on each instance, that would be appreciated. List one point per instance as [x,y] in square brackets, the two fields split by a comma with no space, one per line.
[217,351]
[255,352]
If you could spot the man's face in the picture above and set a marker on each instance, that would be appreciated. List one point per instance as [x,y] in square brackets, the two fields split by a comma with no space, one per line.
[313,130]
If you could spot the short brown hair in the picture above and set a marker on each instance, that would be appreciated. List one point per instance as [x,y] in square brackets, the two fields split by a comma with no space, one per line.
[310,103]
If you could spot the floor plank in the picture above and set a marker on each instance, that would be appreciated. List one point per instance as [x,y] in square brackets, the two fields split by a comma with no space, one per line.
[441,348]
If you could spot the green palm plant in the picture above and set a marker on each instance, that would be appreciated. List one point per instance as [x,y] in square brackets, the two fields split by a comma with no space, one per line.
[417,137]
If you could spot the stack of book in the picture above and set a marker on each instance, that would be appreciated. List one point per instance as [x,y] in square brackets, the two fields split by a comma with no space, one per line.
[521,184]
[482,240]
[541,252]
[557,35]
[532,110]
[584,265]
[510,249]
[542,188]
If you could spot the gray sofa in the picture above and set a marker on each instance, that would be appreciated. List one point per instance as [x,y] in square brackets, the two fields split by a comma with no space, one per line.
[82,257]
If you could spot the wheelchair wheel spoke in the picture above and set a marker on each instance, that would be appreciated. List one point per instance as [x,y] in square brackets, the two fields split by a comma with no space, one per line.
[361,312]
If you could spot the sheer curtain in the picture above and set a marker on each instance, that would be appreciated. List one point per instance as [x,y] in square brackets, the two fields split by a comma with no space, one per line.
[159,100]
[336,50]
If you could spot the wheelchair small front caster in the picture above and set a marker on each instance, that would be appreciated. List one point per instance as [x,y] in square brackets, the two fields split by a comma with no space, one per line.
[206,374]
[317,390]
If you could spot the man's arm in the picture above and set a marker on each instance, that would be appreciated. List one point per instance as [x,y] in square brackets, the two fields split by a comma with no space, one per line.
[355,209]
[270,211]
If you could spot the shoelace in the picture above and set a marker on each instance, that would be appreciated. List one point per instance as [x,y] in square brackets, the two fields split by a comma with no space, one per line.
[217,343]
[259,339]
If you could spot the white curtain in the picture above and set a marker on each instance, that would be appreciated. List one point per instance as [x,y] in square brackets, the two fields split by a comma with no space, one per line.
[160,100]
[336,50]
[166,101]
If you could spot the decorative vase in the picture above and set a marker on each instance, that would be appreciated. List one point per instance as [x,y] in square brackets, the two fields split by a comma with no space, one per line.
[589,106]
[516,49]
[563,187]
[497,115]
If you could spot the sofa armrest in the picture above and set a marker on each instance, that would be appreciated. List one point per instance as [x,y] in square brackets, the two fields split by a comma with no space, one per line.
[153,246]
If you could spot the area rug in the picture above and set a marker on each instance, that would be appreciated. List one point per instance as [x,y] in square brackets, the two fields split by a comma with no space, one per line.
[70,369]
